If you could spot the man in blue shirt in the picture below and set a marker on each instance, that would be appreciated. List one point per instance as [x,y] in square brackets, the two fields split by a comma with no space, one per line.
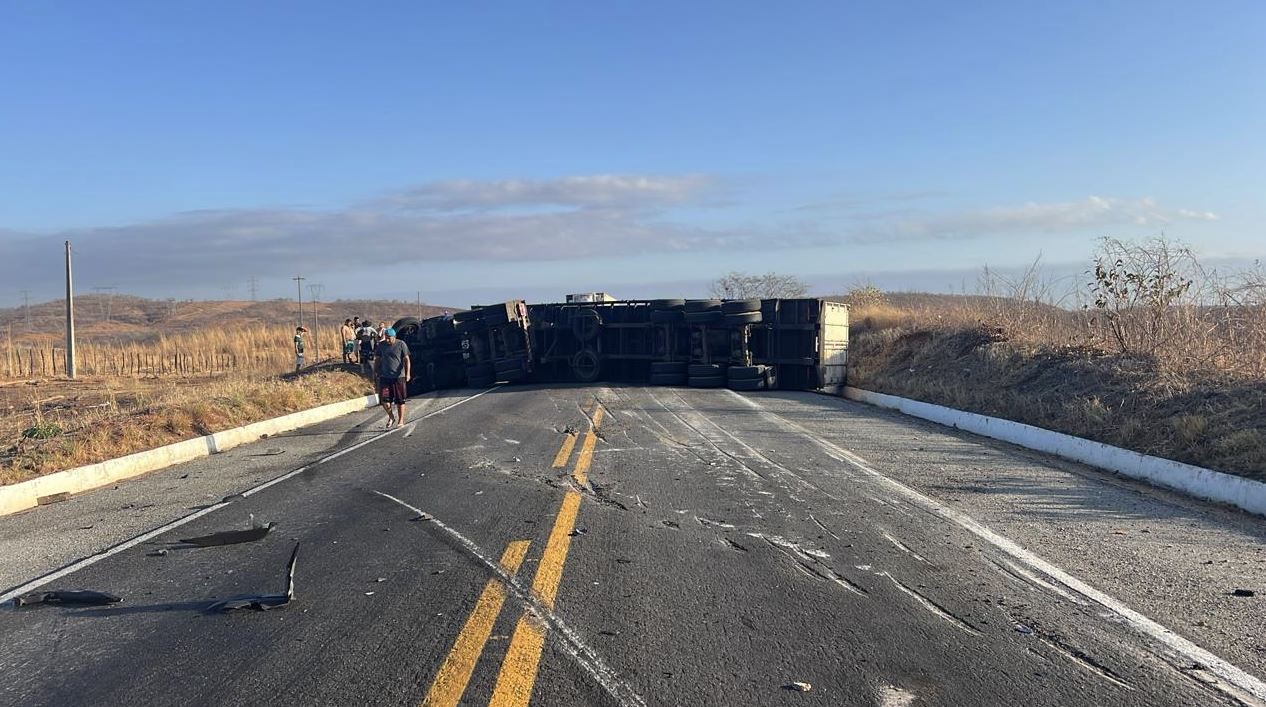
[394,371]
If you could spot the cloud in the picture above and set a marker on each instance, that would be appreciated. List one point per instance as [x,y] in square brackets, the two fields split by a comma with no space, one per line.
[1095,212]
[607,191]
[453,221]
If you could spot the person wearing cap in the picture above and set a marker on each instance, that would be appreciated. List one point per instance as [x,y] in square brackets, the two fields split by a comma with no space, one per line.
[299,332]
[394,371]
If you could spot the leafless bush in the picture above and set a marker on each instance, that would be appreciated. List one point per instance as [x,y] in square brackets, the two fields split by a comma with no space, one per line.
[740,285]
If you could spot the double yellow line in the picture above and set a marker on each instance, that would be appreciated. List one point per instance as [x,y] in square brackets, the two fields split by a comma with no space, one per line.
[518,670]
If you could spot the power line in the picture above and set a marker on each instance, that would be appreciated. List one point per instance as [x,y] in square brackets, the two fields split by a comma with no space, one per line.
[299,286]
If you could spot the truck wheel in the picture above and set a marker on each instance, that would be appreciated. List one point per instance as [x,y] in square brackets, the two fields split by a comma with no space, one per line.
[736,306]
[743,318]
[586,366]
[407,328]
[745,372]
[585,324]
[707,381]
[706,370]
[668,379]
[710,316]
[702,305]
[752,384]
[662,304]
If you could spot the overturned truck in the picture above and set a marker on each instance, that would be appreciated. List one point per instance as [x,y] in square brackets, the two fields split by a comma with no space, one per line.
[742,344]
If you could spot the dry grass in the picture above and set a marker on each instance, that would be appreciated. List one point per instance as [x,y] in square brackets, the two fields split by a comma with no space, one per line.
[114,417]
[1175,367]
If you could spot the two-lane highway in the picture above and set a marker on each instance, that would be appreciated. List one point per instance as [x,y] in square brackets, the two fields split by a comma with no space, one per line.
[628,545]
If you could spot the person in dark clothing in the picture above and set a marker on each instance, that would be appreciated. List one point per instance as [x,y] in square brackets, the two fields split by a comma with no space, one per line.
[394,371]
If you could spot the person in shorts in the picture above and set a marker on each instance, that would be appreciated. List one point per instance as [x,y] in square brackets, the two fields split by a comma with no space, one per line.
[348,336]
[394,371]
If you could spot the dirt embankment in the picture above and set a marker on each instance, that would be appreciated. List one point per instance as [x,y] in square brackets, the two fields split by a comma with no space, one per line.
[53,425]
[1205,419]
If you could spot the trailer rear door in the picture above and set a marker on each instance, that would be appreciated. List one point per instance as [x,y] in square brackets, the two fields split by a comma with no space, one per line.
[833,345]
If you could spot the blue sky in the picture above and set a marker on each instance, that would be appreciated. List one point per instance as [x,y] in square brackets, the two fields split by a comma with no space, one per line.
[482,150]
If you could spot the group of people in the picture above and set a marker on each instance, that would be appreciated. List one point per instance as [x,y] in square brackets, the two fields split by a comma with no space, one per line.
[381,356]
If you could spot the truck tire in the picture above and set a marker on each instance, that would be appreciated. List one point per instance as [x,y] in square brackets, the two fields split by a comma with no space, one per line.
[702,305]
[669,367]
[668,379]
[586,323]
[706,370]
[746,372]
[407,328]
[711,316]
[586,366]
[752,384]
[743,318]
[707,381]
[735,306]
[662,304]
[667,316]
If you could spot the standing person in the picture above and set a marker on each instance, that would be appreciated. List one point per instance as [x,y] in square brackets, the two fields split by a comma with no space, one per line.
[356,333]
[299,332]
[348,336]
[368,338]
[394,371]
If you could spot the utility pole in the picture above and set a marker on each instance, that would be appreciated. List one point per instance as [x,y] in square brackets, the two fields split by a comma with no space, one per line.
[419,305]
[254,287]
[315,291]
[299,285]
[26,308]
[70,319]
[108,305]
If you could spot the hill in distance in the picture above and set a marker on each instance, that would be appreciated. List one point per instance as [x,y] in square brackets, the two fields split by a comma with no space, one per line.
[126,318]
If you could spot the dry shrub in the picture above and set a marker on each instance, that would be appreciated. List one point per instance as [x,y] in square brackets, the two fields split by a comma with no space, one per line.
[166,413]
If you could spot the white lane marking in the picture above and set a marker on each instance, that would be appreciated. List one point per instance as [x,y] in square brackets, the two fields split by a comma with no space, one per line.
[93,559]
[584,656]
[1223,669]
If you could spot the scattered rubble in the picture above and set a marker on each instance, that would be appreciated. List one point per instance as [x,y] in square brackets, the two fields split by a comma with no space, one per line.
[263,602]
[231,537]
[80,597]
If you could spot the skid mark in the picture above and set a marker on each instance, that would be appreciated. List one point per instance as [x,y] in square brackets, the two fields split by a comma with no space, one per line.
[1082,659]
[823,527]
[811,565]
[932,606]
[905,548]
[714,523]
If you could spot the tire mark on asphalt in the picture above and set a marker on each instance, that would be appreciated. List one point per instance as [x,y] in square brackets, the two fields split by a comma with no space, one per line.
[573,645]
[1238,678]
[932,606]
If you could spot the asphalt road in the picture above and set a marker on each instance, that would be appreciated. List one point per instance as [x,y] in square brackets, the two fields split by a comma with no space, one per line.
[628,546]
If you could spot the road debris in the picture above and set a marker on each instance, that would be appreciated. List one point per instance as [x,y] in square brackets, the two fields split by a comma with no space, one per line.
[230,537]
[798,686]
[263,602]
[1243,593]
[81,597]
[160,552]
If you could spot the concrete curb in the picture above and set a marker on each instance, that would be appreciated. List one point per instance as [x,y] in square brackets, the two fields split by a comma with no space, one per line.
[1189,479]
[27,494]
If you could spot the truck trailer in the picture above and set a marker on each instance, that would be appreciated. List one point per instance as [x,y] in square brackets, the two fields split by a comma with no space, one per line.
[742,344]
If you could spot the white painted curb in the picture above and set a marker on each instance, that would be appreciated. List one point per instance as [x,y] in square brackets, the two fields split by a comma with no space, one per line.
[1193,480]
[24,495]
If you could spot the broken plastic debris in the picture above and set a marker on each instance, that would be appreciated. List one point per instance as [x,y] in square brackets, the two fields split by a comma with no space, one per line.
[160,552]
[264,602]
[67,598]
[230,537]
[798,686]
[1243,593]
